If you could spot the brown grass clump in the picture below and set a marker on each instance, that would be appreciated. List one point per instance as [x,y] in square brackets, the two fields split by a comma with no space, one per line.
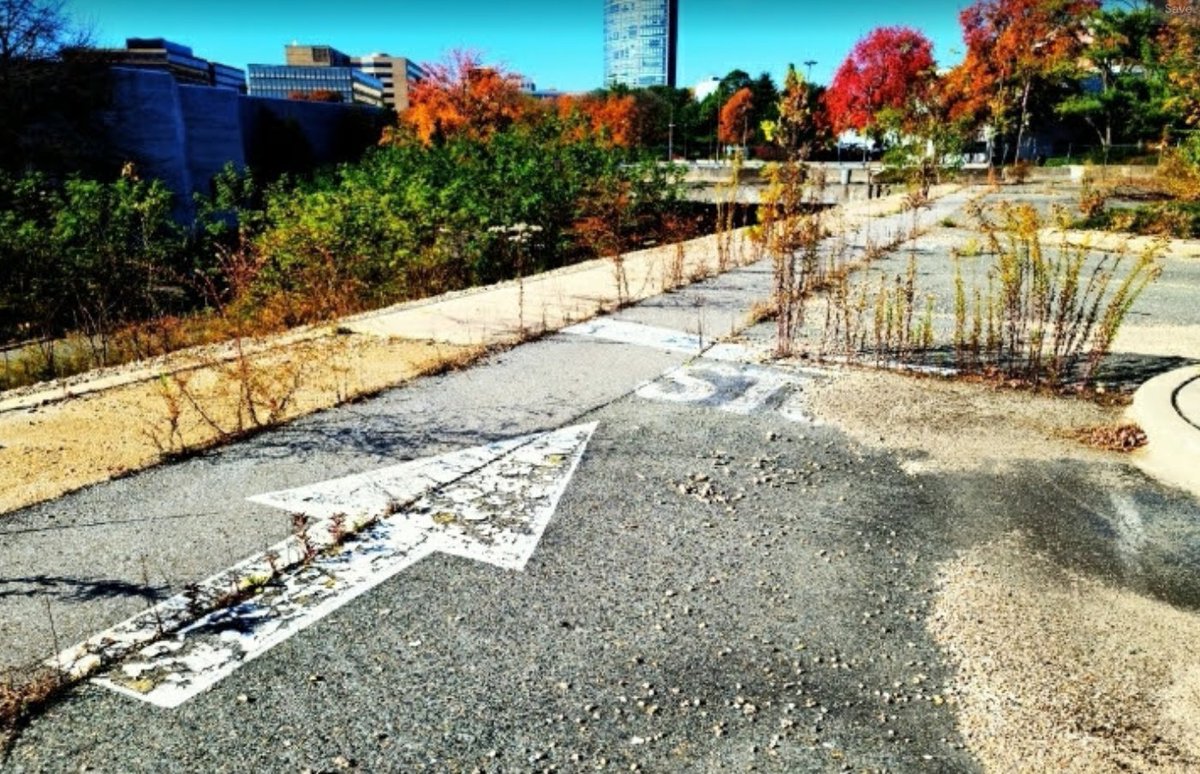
[21,695]
[1125,437]
[761,311]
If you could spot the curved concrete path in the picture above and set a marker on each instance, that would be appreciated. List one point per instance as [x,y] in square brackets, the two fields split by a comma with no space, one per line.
[1168,409]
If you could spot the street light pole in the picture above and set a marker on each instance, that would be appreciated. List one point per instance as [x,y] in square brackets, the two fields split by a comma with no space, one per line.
[671,137]
[809,63]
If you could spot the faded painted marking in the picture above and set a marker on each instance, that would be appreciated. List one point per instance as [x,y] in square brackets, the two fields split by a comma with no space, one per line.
[624,332]
[491,503]
[1131,530]
[739,388]
[735,353]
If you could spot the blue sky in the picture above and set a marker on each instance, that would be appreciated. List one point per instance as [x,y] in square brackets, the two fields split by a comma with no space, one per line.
[557,43]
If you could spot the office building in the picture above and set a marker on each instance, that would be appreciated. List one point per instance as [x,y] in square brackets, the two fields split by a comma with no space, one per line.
[177,60]
[316,73]
[396,73]
[314,56]
[640,42]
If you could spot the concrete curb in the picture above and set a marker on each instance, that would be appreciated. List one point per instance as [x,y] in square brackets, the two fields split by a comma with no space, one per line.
[1168,409]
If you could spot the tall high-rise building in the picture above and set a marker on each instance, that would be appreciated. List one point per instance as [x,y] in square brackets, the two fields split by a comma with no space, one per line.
[640,41]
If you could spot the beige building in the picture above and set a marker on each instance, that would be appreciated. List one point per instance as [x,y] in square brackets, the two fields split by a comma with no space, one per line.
[315,56]
[397,74]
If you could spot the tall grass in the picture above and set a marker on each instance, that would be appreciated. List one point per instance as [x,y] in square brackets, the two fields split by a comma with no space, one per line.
[792,228]
[1046,313]
[1053,313]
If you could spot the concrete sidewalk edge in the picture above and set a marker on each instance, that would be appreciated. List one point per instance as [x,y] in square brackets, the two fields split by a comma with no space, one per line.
[1173,451]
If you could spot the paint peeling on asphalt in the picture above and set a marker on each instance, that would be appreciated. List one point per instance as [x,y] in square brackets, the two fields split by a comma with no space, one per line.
[495,512]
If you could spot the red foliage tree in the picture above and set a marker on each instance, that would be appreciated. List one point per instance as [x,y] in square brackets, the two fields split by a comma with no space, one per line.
[1011,46]
[734,127]
[462,95]
[884,70]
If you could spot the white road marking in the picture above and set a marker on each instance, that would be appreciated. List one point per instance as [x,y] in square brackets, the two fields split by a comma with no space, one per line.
[725,376]
[739,388]
[735,353]
[624,332]
[491,503]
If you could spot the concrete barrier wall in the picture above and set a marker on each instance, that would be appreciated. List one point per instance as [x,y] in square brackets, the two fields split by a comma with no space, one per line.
[144,124]
[325,129]
[213,129]
[184,135]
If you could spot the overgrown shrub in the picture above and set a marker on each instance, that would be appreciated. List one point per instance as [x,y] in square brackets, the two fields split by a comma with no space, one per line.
[407,221]
[1179,220]
[87,255]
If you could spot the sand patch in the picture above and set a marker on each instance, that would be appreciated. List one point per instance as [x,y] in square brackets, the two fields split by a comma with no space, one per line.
[1058,672]
[48,451]
[942,424]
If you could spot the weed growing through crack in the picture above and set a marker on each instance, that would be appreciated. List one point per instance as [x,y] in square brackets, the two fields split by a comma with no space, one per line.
[1046,315]
[792,230]
[517,238]
[308,549]
[1052,313]
[728,193]
[337,527]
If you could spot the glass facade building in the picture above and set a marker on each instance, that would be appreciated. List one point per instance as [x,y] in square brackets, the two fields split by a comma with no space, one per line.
[288,81]
[640,41]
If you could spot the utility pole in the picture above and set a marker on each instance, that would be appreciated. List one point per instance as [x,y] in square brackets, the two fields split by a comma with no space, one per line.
[809,63]
[671,137]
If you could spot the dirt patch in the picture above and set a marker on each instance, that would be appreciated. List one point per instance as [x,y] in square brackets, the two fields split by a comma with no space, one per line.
[942,424]
[48,451]
[1058,672]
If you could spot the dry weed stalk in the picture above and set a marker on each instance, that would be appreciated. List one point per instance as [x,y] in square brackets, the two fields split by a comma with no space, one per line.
[1045,316]
[1048,312]
[256,394]
[678,231]
[728,195]
[792,229]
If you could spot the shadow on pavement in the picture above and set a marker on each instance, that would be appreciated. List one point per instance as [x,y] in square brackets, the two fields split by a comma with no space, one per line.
[76,589]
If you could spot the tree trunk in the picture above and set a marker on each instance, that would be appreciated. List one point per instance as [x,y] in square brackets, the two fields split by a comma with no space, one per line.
[1024,115]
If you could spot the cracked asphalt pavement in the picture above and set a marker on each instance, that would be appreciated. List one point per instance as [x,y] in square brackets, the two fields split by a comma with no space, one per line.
[717,590]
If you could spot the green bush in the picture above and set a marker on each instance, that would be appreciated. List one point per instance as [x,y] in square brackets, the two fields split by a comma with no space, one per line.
[405,222]
[86,255]
[1173,219]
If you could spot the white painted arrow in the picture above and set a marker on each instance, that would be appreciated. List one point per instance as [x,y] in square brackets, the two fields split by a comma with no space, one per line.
[490,503]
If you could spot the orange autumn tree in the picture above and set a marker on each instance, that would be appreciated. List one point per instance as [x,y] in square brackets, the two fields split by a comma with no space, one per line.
[611,118]
[461,95]
[1013,46]
[1181,57]
[734,127]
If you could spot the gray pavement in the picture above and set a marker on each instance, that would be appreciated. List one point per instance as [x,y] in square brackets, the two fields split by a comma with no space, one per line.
[717,590]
